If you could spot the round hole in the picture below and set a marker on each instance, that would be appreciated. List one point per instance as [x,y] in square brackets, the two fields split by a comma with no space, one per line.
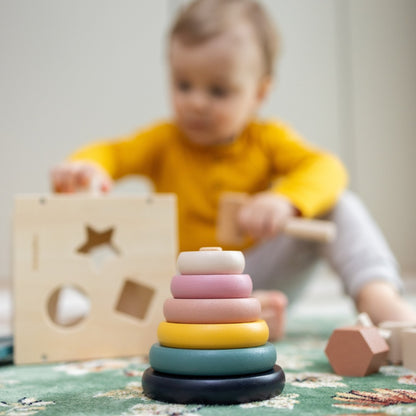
[68,306]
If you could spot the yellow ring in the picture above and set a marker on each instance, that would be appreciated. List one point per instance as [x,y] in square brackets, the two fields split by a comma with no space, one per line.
[213,336]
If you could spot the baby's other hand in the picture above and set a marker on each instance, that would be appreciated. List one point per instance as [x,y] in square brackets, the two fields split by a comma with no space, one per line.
[70,177]
[273,311]
[265,214]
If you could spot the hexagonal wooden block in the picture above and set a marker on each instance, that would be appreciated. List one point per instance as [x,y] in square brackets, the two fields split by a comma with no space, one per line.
[356,351]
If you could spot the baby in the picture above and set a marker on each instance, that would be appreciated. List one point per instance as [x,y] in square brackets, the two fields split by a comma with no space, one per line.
[221,56]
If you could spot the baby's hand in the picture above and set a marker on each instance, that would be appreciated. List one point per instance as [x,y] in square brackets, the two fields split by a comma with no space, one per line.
[265,214]
[70,177]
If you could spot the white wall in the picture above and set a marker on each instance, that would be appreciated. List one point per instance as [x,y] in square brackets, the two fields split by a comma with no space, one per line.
[72,71]
[383,103]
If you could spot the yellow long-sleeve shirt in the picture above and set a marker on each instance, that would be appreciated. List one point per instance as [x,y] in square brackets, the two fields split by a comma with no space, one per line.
[267,155]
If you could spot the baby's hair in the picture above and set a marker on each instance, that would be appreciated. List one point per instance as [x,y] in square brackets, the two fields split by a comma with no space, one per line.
[202,20]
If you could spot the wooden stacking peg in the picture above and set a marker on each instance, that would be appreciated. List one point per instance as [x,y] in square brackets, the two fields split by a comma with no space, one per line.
[213,345]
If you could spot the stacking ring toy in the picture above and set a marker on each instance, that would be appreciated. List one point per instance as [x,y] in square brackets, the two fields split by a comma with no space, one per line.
[191,362]
[211,286]
[211,311]
[213,390]
[213,336]
[211,261]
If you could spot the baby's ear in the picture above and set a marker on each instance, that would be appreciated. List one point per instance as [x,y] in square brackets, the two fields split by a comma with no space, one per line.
[265,85]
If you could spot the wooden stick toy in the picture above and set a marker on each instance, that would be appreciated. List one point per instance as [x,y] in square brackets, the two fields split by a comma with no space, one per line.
[229,232]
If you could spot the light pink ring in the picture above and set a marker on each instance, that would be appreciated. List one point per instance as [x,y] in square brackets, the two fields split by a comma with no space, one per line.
[211,286]
[211,311]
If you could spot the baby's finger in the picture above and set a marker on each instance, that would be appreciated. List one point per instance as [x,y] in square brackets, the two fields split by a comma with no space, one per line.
[257,224]
[58,179]
[82,177]
[106,185]
[68,180]
[272,225]
[244,217]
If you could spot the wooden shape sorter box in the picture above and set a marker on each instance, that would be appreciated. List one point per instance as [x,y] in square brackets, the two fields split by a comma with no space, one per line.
[56,239]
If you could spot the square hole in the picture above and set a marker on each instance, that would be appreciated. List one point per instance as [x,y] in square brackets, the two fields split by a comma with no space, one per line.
[135,299]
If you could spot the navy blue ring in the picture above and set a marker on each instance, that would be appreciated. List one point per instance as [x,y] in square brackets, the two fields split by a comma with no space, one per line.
[213,390]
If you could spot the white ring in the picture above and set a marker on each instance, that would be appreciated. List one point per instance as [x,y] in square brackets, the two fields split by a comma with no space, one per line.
[211,262]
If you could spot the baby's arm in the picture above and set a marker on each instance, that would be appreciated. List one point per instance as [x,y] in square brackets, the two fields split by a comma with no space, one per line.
[382,302]
[79,176]
[265,214]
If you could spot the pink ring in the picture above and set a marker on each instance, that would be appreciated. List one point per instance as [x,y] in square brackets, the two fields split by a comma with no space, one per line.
[211,311]
[211,286]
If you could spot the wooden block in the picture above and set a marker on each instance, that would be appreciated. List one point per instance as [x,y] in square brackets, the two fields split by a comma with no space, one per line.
[55,238]
[356,351]
[395,339]
[229,232]
[408,340]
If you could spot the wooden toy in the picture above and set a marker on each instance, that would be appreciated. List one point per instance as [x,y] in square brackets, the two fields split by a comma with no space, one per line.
[213,348]
[213,390]
[215,311]
[211,260]
[395,340]
[55,238]
[6,350]
[408,341]
[213,336]
[223,362]
[356,351]
[228,231]
[363,319]
[213,286]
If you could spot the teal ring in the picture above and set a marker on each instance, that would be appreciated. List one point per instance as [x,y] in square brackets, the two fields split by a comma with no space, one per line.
[223,362]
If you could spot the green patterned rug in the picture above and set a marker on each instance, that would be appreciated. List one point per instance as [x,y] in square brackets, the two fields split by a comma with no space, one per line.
[113,387]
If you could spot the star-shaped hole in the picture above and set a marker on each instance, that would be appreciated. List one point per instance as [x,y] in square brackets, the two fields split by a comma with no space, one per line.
[99,246]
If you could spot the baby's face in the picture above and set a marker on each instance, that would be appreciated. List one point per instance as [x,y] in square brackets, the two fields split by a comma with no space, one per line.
[216,85]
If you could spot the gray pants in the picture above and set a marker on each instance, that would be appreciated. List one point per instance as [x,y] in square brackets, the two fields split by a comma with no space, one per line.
[358,255]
